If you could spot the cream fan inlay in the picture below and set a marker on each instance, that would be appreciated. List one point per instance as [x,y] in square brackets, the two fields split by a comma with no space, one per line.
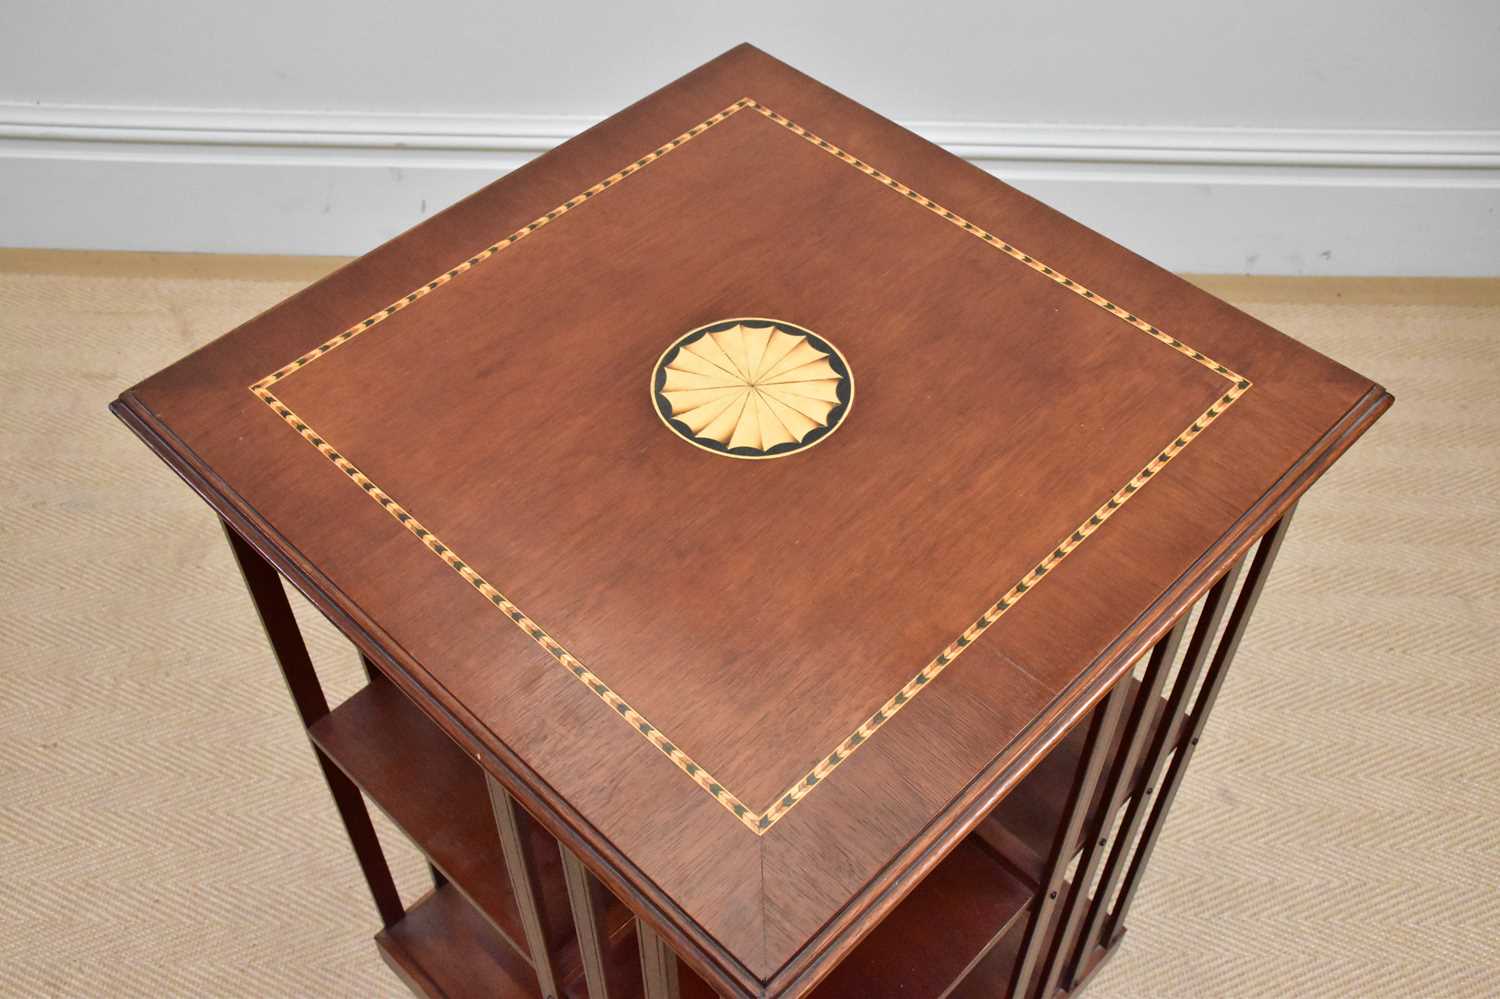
[748,387]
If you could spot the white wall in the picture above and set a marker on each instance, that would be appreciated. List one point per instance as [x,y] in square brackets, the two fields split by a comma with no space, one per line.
[1274,137]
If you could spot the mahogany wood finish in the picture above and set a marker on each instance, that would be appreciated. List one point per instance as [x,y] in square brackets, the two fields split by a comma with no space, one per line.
[760,701]
[658,964]
[443,947]
[1163,746]
[1100,732]
[1022,827]
[1121,782]
[438,798]
[589,901]
[929,943]
[523,865]
[285,638]
[1228,645]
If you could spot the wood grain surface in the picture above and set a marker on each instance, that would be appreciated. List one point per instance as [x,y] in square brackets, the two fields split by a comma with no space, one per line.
[747,619]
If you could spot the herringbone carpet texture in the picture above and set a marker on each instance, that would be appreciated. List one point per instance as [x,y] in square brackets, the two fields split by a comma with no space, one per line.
[164,831]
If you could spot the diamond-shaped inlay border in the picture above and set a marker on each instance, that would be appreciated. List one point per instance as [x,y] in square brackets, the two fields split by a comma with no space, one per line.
[762,820]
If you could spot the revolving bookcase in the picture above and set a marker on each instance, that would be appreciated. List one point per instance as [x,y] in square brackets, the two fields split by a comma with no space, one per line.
[786,560]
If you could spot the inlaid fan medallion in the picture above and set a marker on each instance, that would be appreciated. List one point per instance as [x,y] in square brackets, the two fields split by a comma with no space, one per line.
[752,388]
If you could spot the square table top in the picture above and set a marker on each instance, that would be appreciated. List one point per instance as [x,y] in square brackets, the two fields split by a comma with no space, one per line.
[510,451]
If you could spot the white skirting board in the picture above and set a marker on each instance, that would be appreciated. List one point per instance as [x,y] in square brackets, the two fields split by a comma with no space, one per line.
[1232,201]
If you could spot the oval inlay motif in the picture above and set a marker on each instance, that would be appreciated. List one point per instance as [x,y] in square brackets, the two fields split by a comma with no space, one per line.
[752,388]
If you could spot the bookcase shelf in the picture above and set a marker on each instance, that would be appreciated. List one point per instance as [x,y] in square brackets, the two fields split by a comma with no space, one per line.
[436,796]
[513,913]
[957,932]
[939,932]
[444,947]
[1022,826]
[466,935]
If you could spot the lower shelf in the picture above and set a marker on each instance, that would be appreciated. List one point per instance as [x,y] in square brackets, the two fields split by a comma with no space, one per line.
[436,795]
[990,977]
[465,937]
[958,932]
[444,947]
[623,963]
[939,932]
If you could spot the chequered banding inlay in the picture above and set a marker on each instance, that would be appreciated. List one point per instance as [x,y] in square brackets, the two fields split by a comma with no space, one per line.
[758,822]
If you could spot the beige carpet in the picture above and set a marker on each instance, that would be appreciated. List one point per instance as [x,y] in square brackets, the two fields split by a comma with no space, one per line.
[163,829]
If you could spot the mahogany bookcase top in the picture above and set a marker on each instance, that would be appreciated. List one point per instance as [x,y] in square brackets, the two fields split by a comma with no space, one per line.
[756,488]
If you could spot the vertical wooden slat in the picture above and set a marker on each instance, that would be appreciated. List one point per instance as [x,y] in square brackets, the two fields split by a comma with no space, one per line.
[1063,959]
[521,864]
[1100,930]
[1212,613]
[1239,620]
[264,585]
[589,901]
[1102,723]
[658,964]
